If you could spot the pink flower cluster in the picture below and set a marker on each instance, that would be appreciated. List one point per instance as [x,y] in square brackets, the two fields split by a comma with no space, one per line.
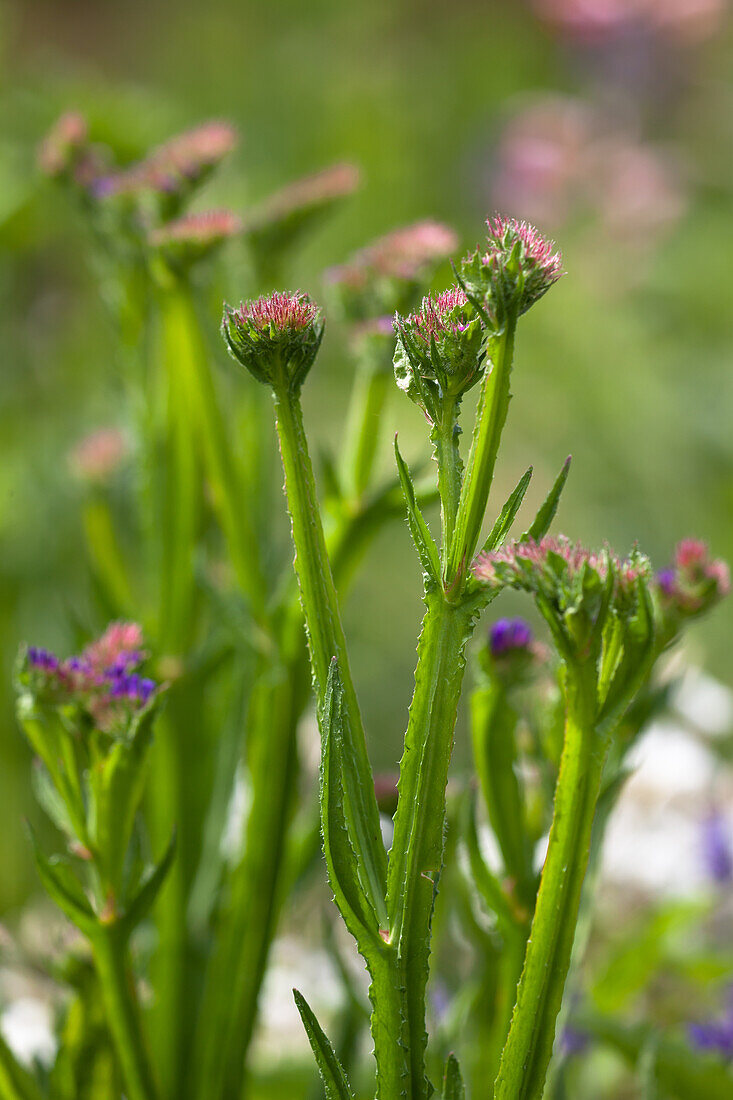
[694,581]
[99,454]
[315,190]
[529,563]
[439,315]
[64,145]
[402,254]
[200,230]
[536,251]
[103,680]
[282,312]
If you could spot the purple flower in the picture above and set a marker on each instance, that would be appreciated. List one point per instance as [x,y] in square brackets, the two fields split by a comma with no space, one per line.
[42,659]
[716,848]
[715,1035]
[508,635]
[573,1041]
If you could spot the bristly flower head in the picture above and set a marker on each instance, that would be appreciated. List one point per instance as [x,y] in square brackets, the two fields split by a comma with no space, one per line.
[387,276]
[287,210]
[103,683]
[576,589]
[518,266]
[64,146]
[276,337]
[190,238]
[694,582]
[439,350]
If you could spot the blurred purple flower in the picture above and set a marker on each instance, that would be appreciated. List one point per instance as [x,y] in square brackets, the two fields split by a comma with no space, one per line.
[716,848]
[509,635]
[715,1035]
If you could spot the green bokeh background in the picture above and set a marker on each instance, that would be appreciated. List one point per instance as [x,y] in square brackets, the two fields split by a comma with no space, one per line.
[628,364]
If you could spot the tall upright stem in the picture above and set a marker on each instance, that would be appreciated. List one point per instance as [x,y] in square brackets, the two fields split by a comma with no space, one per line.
[109,950]
[528,1048]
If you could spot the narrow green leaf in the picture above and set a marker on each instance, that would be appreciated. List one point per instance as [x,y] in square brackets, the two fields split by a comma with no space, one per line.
[16,1082]
[332,1074]
[341,858]
[506,517]
[483,878]
[64,888]
[143,902]
[50,800]
[546,514]
[684,1073]
[453,1087]
[424,542]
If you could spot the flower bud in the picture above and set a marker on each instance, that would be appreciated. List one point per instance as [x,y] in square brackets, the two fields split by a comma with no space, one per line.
[186,240]
[575,586]
[277,222]
[692,584]
[439,350]
[64,146]
[517,268]
[276,337]
[103,683]
[388,275]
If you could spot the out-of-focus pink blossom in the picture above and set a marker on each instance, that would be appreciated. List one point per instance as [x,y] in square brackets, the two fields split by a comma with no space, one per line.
[99,454]
[593,21]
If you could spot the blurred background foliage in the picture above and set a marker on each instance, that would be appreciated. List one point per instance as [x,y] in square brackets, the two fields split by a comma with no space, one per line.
[613,133]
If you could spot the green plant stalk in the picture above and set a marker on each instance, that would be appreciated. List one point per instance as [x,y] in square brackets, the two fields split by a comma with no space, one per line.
[218,460]
[528,1049]
[444,438]
[177,529]
[109,950]
[416,858]
[325,632]
[104,553]
[368,399]
[490,419]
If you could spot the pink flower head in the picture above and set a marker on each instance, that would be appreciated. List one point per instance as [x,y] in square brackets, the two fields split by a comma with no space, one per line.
[279,332]
[385,276]
[99,454]
[307,194]
[518,267]
[62,147]
[199,231]
[190,155]
[694,581]
[103,682]
[439,349]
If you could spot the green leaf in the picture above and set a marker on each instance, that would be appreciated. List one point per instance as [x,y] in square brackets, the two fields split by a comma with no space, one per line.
[332,1074]
[341,858]
[50,800]
[141,905]
[453,1087]
[493,725]
[506,518]
[116,783]
[546,514]
[424,542]
[484,880]
[682,1072]
[15,1081]
[64,888]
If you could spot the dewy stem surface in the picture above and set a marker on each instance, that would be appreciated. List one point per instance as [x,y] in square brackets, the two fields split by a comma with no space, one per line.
[528,1049]
[325,632]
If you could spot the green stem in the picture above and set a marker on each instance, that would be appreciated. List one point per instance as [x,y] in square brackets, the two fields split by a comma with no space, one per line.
[490,419]
[416,858]
[104,553]
[325,634]
[220,468]
[444,437]
[528,1049]
[368,398]
[123,1016]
